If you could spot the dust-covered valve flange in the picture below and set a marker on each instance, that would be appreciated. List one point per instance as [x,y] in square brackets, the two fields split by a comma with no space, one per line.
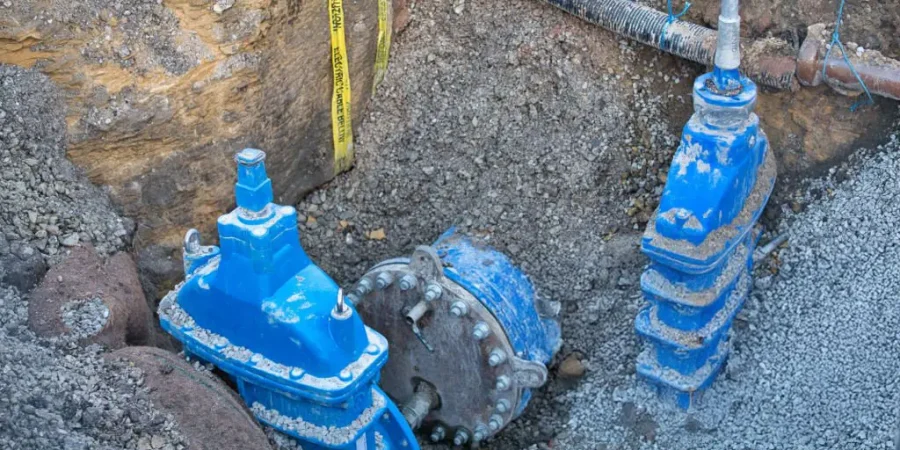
[461,319]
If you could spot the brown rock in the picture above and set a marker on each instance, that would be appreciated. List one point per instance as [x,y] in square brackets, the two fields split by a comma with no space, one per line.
[572,367]
[401,15]
[814,126]
[162,94]
[209,414]
[82,276]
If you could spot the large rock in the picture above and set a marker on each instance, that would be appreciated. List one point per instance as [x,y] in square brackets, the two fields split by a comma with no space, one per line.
[209,414]
[21,266]
[162,94]
[94,301]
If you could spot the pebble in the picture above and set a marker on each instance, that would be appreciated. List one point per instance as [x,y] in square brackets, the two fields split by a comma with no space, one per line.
[571,367]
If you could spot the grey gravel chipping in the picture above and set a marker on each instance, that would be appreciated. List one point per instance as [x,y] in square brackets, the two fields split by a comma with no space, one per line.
[46,204]
[537,143]
[85,318]
[55,394]
[528,141]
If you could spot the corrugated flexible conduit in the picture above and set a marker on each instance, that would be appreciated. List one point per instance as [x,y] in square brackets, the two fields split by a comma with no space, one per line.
[697,43]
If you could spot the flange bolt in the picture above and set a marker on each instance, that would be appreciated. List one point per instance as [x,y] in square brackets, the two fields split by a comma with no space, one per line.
[502,406]
[480,433]
[495,423]
[459,309]
[383,280]
[438,434]
[461,437]
[363,287]
[481,331]
[408,282]
[433,292]
[496,357]
[502,383]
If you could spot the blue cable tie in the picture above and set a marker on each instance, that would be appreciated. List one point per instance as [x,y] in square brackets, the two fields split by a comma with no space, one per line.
[672,17]
[836,41]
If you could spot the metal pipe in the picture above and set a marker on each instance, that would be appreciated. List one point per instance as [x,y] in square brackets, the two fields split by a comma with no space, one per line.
[761,253]
[726,75]
[424,399]
[696,43]
[728,47]
[881,75]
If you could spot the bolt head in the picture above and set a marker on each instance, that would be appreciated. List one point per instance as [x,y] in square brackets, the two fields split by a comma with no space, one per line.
[461,437]
[496,357]
[433,292]
[363,287]
[383,280]
[503,406]
[495,423]
[480,434]
[502,383]
[481,331]
[459,309]
[408,282]
[438,434]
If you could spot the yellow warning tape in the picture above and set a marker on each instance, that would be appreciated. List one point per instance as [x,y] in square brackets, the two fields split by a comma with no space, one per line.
[340,99]
[383,48]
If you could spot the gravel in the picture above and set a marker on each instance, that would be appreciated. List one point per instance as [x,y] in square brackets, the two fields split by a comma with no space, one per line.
[85,318]
[814,364]
[46,204]
[552,138]
[55,394]
[142,35]
[521,123]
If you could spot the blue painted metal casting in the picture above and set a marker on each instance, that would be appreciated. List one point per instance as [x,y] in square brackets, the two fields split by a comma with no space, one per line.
[505,291]
[701,240]
[475,330]
[263,313]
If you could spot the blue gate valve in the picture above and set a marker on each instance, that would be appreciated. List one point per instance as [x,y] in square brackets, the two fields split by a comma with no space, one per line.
[701,239]
[258,309]
[469,326]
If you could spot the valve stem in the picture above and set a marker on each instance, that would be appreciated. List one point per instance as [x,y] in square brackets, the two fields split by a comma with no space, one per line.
[726,75]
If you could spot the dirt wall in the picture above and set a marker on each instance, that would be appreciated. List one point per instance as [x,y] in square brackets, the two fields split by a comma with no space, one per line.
[161,94]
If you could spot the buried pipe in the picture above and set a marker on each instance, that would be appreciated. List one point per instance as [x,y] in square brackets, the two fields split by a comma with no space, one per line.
[880,74]
[769,62]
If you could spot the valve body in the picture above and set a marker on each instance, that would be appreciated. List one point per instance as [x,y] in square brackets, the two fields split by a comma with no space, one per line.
[262,312]
[701,240]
